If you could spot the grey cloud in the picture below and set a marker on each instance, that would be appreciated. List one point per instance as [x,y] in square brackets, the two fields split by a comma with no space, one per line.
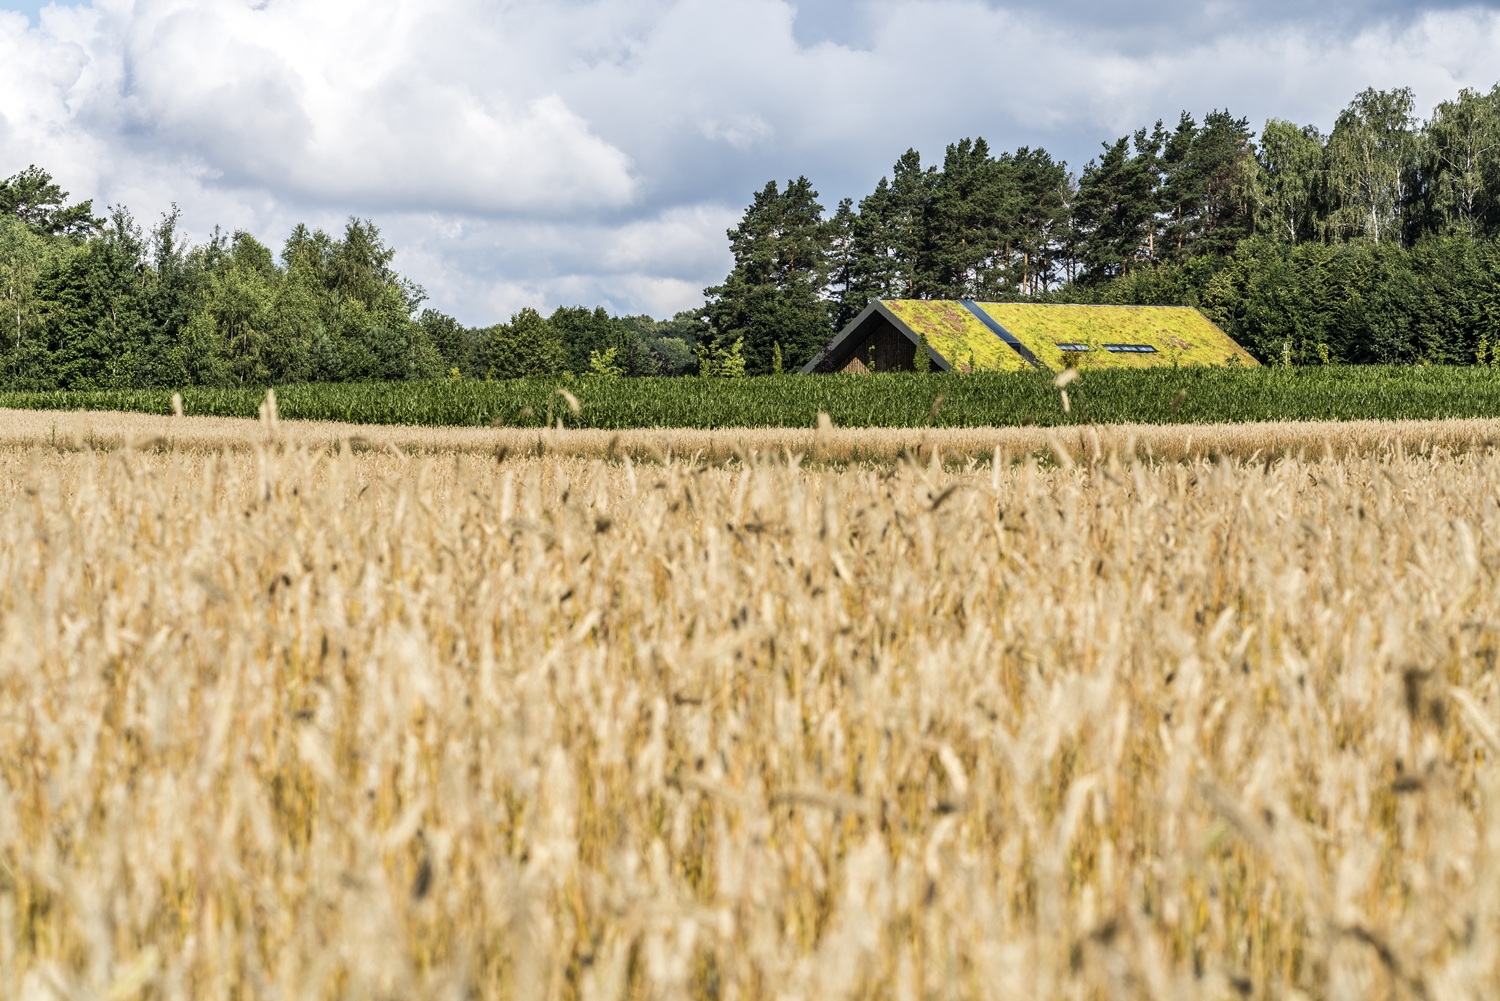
[1140,26]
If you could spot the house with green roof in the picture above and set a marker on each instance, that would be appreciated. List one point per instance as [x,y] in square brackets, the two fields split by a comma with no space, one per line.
[966,336]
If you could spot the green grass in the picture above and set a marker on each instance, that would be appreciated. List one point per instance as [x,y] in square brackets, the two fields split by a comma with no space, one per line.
[1181,336]
[958,335]
[888,400]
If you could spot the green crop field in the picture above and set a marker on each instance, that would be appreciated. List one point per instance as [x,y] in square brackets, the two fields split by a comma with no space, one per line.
[1188,395]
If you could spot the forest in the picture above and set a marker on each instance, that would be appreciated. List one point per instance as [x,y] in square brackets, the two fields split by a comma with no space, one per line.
[97,303]
[1373,243]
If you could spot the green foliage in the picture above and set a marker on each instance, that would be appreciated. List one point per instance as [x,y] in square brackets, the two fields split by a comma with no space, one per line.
[1372,156]
[97,331]
[526,346]
[715,361]
[775,292]
[458,346]
[603,365]
[112,307]
[923,360]
[1164,395]
[126,309]
[38,203]
[1368,303]
[776,368]
[666,347]
[1289,181]
[24,256]
[584,332]
[1461,161]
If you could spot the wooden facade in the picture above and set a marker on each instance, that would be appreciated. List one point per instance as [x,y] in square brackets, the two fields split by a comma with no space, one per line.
[872,337]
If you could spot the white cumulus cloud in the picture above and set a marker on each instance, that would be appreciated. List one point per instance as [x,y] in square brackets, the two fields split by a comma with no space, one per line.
[324,102]
[594,151]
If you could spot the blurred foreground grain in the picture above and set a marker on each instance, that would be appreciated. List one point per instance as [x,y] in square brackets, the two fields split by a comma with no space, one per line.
[297,722]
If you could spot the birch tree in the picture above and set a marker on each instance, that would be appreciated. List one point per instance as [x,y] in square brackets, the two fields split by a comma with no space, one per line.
[1372,161]
[1464,139]
[1290,172]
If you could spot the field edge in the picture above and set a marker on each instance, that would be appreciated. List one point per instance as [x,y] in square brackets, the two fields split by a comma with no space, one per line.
[106,430]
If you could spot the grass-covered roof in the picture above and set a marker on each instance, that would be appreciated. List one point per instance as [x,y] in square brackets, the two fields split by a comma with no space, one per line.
[1062,335]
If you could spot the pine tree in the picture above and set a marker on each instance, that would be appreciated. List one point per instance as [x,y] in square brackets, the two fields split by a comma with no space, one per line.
[1222,163]
[891,239]
[1043,198]
[873,264]
[844,286]
[972,223]
[1117,204]
[775,293]
[40,204]
[1182,190]
[907,227]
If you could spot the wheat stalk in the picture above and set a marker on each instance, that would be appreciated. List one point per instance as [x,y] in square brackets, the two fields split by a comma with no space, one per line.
[282,720]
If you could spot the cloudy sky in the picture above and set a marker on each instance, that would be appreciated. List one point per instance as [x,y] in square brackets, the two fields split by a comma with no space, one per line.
[560,152]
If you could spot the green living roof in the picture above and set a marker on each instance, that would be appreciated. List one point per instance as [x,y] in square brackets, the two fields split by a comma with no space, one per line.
[953,331]
[1089,336]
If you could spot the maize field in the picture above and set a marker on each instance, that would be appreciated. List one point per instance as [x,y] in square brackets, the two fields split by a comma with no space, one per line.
[1196,395]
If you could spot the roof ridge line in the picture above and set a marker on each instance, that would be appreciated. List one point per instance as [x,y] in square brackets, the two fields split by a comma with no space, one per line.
[1000,332]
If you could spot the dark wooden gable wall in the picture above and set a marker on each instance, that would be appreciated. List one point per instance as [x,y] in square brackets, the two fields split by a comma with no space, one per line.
[893,350]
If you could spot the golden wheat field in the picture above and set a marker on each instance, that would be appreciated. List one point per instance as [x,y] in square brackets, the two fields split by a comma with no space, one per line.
[289,722]
[1249,441]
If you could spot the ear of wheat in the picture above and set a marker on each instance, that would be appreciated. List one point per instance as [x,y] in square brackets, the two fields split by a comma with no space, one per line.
[299,722]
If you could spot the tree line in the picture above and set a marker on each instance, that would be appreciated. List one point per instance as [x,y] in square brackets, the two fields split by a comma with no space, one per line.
[1376,242]
[98,303]
[1373,243]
